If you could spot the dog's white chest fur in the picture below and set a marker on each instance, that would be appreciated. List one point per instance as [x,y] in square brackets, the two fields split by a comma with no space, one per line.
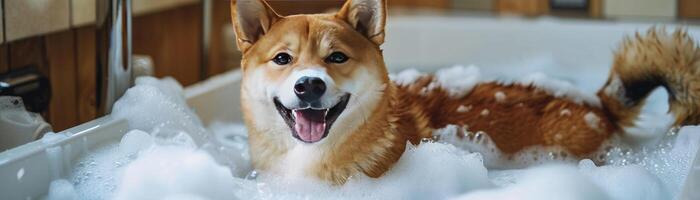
[298,161]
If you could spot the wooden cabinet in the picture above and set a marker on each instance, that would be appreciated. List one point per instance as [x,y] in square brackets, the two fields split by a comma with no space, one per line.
[640,8]
[24,18]
[83,12]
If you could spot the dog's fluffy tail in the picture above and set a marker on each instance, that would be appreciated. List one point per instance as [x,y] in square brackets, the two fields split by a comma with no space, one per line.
[648,61]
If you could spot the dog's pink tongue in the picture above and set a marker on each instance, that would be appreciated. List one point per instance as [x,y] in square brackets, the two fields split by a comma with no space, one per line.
[309,125]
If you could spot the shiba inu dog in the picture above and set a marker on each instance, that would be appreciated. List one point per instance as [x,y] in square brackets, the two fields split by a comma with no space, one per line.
[318,100]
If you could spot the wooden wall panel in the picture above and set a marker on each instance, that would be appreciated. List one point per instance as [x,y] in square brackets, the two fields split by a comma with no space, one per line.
[60,55]
[28,52]
[689,8]
[4,63]
[220,20]
[523,7]
[86,73]
[595,8]
[172,38]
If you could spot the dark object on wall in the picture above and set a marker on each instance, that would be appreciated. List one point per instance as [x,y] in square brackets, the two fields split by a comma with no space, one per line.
[570,4]
[28,83]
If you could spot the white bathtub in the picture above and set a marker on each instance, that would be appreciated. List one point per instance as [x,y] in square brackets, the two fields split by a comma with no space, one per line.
[498,46]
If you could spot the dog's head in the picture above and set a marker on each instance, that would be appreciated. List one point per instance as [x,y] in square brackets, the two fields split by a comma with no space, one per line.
[310,79]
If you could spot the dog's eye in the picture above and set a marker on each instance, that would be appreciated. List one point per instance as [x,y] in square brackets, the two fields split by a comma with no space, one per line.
[282,59]
[336,57]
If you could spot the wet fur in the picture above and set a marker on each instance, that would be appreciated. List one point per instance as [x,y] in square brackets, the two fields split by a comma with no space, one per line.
[373,136]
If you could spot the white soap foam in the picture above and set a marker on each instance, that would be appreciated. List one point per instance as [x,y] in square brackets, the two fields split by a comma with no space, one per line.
[560,182]
[659,169]
[159,106]
[61,189]
[558,88]
[479,141]
[96,174]
[630,182]
[167,171]
[436,170]
[176,167]
[135,141]
[592,120]
[668,158]
[458,80]
[463,108]
[139,168]
[429,171]
[500,96]
[565,112]
[172,137]
[485,112]
[230,147]
[406,77]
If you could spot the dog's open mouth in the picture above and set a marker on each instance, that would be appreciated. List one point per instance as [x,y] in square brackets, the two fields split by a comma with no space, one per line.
[310,124]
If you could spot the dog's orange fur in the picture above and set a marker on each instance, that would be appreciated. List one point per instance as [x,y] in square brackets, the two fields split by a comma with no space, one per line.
[527,117]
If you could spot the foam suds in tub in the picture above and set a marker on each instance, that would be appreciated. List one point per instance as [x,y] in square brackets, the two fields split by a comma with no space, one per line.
[168,154]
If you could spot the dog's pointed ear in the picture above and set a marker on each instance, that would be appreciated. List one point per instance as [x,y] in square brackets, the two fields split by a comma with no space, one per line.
[251,19]
[367,17]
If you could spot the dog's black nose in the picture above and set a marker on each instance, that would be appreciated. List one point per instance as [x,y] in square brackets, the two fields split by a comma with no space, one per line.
[309,89]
